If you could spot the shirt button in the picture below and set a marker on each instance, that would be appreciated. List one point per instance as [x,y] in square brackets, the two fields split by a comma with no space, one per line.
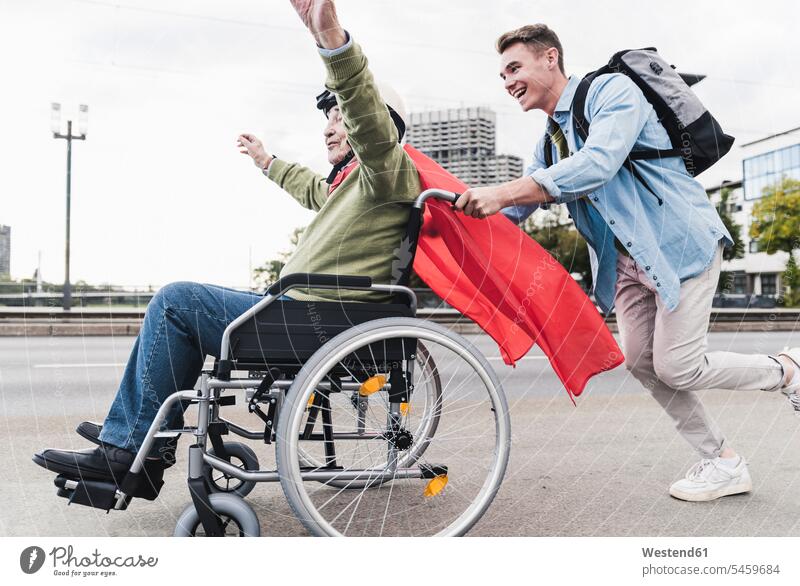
[655,278]
[647,268]
[658,284]
[611,222]
[596,198]
[630,244]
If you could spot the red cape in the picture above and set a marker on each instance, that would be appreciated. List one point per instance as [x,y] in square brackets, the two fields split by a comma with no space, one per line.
[495,274]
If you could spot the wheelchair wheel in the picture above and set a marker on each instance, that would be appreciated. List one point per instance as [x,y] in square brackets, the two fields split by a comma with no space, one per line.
[421,415]
[243,457]
[238,519]
[406,484]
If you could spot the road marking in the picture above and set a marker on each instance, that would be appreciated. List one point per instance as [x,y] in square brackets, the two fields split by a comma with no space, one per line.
[82,365]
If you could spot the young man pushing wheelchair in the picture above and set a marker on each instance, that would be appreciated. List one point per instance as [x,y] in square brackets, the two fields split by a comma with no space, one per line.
[655,238]
[365,199]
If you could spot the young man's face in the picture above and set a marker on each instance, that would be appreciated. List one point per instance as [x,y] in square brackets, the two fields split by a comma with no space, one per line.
[527,76]
[336,137]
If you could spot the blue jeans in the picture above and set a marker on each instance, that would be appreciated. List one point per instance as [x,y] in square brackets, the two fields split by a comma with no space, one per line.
[183,323]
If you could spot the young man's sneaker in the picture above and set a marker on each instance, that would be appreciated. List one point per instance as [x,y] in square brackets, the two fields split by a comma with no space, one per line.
[711,479]
[792,388]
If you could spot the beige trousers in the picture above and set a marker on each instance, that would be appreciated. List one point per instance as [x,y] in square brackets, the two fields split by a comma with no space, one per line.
[667,351]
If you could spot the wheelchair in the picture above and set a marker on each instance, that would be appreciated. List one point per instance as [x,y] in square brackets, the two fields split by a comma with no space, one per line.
[383,424]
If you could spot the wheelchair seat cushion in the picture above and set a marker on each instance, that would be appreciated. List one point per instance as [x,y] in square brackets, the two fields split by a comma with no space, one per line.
[287,333]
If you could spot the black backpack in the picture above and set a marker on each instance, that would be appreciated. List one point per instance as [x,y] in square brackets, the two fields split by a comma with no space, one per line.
[695,134]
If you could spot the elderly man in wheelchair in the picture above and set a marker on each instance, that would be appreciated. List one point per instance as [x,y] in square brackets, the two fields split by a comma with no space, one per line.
[371,412]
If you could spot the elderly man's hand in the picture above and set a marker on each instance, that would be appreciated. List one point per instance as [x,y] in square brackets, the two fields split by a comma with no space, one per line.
[320,18]
[250,145]
[481,202]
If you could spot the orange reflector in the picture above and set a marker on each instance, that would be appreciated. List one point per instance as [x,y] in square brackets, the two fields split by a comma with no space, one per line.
[404,409]
[372,385]
[310,401]
[435,486]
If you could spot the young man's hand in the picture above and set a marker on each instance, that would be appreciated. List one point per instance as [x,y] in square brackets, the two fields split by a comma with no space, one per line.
[481,202]
[320,18]
[250,145]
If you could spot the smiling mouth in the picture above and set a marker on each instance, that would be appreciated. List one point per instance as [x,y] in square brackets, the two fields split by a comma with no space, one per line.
[519,93]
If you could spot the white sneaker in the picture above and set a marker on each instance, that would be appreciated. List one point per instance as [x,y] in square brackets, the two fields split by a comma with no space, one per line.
[792,389]
[710,479]
[794,401]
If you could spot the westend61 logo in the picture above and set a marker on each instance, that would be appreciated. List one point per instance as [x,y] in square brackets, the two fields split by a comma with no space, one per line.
[67,563]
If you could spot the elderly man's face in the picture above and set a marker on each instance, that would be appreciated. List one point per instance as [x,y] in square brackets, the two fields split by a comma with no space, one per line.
[336,137]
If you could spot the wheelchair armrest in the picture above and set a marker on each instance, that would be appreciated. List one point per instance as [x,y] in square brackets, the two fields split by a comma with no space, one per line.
[312,280]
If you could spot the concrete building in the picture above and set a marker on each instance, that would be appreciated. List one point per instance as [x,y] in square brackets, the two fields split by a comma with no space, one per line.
[764,163]
[463,141]
[5,252]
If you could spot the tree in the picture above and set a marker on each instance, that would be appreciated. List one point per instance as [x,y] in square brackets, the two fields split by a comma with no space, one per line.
[791,283]
[776,226]
[724,210]
[737,250]
[556,234]
[269,272]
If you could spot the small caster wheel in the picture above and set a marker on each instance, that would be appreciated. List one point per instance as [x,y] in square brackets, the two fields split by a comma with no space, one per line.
[238,518]
[243,457]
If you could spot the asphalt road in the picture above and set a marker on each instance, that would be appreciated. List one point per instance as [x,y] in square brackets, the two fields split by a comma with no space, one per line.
[601,468]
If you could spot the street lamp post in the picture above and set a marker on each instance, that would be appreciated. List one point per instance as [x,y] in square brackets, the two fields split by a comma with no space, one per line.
[83,120]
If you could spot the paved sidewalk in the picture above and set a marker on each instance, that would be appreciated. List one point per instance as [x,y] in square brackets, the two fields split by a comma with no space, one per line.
[600,469]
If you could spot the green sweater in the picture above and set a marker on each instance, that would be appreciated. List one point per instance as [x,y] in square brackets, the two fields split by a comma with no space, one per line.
[360,225]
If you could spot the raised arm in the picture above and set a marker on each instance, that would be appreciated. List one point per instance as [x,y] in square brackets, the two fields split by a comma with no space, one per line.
[370,129]
[307,187]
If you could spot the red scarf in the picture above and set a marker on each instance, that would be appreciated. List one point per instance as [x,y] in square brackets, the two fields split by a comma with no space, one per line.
[495,274]
[342,174]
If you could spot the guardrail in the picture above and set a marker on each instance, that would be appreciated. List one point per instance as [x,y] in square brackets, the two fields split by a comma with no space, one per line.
[45,321]
[119,300]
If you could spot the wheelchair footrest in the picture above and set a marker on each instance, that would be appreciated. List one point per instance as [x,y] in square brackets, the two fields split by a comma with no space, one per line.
[91,493]
[102,494]
[147,483]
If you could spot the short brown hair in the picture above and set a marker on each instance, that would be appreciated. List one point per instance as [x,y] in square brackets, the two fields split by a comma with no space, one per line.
[538,38]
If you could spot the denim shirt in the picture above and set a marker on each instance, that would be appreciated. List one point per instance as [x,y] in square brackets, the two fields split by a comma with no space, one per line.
[672,239]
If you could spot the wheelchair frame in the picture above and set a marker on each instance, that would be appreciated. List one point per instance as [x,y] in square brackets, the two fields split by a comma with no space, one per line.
[145,480]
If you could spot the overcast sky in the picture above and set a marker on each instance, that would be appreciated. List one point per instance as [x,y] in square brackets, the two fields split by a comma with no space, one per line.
[160,192]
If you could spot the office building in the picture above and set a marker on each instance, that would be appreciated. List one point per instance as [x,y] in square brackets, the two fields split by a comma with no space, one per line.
[463,141]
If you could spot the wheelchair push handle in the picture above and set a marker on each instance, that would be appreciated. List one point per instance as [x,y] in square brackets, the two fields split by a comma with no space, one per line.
[311,280]
[448,196]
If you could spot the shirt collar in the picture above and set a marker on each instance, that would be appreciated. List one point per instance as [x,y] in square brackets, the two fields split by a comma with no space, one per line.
[565,100]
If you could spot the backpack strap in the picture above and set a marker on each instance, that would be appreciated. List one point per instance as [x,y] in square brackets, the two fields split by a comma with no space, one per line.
[653,154]
[548,150]
[581,125]
[579,105]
